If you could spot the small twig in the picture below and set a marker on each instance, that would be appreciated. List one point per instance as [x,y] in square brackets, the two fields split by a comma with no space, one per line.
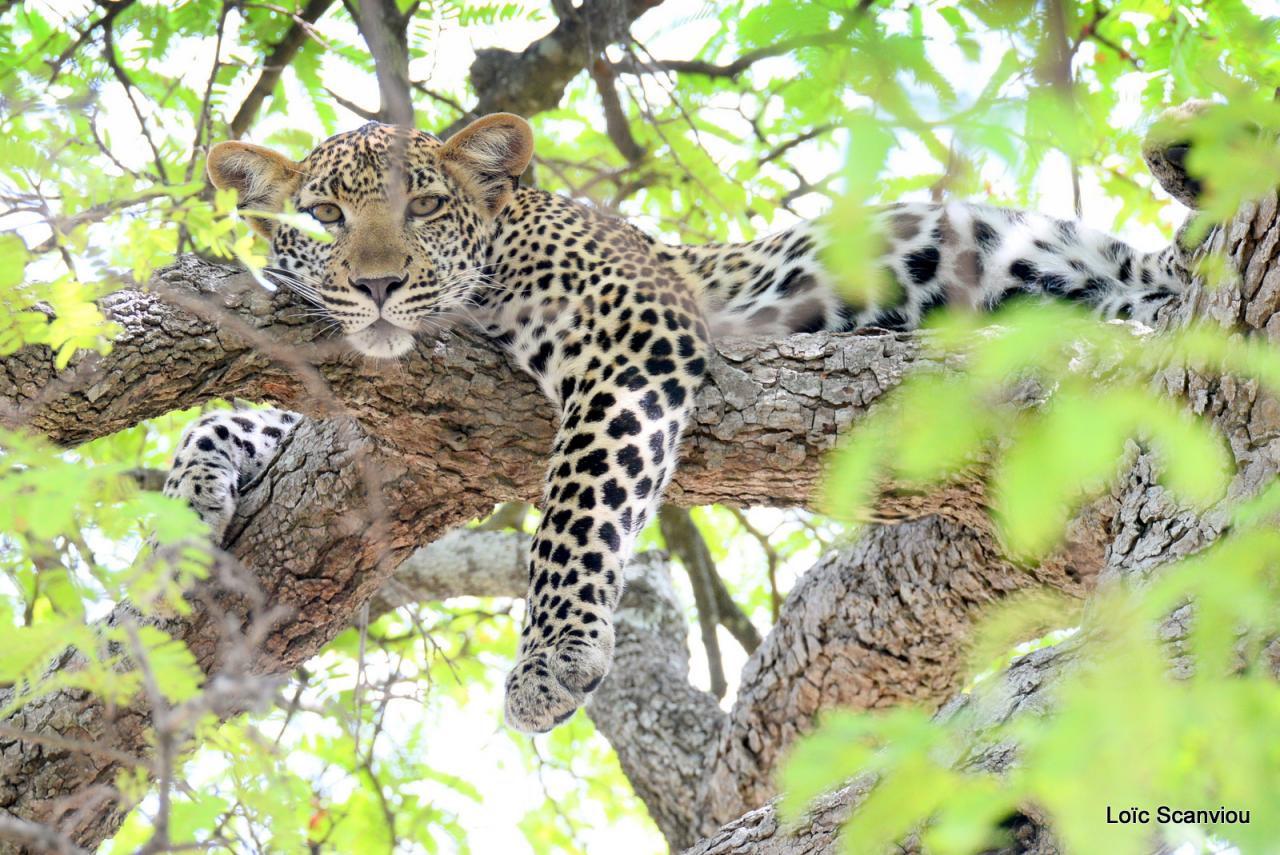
[730,70]
[367,115]
[122,77]
[436,95]
[771,556]
[203,121]
[164,732]
[686,543]
[295,702]
[305,24]
[571,825]
[105,149]
[782,148]
[63,225]
[362,622]
[112,10]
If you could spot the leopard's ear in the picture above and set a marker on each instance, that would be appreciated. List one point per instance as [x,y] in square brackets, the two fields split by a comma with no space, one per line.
[494,151]
[263,179]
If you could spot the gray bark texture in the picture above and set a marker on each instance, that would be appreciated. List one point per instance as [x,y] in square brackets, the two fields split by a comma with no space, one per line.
[1140,526]
[533,80]
[879,622]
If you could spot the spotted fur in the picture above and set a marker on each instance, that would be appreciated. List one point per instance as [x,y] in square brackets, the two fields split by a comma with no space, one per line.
[958,254]
[613,324]
[222,453]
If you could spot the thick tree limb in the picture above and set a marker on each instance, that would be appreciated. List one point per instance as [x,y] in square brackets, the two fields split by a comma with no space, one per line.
[766,417]
[658,723]
[466,561]
[324,564]
[878,623]
[768,413]
[385,31]
[1250,244]
[1138,511]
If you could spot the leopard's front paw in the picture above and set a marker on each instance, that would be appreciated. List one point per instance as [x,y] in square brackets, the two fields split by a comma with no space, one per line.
[547,686]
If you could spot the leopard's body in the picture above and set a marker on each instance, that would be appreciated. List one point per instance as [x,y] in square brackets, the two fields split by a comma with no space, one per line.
[613,324]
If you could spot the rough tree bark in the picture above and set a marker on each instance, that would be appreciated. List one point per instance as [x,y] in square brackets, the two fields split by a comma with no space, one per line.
[534,79]
[879,622]
[393,461]
[1142,527]
[385,30]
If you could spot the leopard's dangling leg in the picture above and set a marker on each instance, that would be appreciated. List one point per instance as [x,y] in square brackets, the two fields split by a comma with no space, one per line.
[219,454]
[614,453]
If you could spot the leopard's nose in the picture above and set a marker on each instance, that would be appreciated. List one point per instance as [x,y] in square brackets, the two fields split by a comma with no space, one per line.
[379,288]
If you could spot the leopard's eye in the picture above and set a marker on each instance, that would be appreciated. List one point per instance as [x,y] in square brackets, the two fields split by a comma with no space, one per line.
[326,212]
[425,206]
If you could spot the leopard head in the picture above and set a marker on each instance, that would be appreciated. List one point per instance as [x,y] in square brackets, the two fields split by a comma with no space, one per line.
[409,220]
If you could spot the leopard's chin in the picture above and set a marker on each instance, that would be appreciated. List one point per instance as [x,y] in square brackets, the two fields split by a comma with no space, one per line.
[382,340]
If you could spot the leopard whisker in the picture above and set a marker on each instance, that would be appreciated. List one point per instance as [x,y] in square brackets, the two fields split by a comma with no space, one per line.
[307,292]
[295,275]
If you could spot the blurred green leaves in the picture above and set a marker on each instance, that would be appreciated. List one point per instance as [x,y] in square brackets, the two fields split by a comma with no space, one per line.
[1049,399]
[1048,406]
[847,104]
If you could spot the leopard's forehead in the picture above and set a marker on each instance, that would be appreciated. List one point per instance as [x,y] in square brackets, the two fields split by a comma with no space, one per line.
[363,160]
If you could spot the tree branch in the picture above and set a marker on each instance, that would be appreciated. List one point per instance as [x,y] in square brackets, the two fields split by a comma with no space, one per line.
[659,725]
[534,80]
[875,624]
[685,543]
[767,415]
[1141,528]
[363,112]
[434,449]
[895,607]
[615,117]
[737,66]
[275,64]
[385,31]
[466,561]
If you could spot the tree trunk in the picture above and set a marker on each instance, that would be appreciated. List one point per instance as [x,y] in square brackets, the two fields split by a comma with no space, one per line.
[385,32]
[1143,529]
[881,622]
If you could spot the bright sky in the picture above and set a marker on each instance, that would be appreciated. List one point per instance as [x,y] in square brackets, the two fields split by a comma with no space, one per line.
[470,740]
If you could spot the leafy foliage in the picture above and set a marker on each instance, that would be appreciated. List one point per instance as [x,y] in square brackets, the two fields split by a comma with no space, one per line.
[772,110]
[1124,730]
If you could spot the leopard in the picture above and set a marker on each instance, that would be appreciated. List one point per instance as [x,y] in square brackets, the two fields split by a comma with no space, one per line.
[407,232]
